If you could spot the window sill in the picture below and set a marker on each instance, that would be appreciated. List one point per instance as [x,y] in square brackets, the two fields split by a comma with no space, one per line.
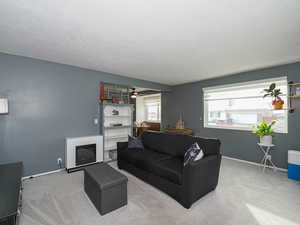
[238,129]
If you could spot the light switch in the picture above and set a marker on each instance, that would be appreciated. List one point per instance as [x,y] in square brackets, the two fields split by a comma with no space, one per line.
[3,105]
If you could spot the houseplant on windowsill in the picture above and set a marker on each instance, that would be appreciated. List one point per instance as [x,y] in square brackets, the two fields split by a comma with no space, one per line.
[265,132]
[277,101]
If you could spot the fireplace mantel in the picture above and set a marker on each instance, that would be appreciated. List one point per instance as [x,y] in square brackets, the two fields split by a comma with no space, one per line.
[72,143]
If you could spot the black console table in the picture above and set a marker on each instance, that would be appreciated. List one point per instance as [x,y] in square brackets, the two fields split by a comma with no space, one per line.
[10,192]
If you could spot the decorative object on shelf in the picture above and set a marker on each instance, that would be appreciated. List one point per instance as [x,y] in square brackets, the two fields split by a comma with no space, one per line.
[180,123]
[277,101]
[102,95]
[3,106]
[115,100]
[115,112]
[265,132]
[116,124]
[113,155]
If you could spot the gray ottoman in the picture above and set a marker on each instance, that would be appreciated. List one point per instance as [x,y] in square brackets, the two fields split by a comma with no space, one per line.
[106,187]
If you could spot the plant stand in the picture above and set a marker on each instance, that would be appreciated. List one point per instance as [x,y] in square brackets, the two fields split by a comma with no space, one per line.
[267,156]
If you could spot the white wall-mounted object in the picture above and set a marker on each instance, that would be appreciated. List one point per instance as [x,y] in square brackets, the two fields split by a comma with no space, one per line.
[3,105]
[72,143]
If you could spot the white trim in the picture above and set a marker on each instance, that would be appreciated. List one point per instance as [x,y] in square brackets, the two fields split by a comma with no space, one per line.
[253,82]
[230,128]
[42,174]
[239,128]
[252,163]
[225,157]
[242,85]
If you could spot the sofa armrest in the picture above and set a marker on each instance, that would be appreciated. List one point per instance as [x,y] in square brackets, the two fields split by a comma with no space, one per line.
[122,145]
[201,177]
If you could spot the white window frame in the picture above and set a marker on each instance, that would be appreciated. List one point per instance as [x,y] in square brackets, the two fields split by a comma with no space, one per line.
[159,107]
[220,87]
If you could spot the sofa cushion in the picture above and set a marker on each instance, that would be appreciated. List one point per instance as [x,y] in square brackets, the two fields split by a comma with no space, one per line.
[128,154]
[194,153]
[170,169]
[153,140]
[168,143]
[135,142]
[146,158]
[142,159]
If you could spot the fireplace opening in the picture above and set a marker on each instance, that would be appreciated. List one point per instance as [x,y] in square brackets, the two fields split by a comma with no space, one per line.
[85,154]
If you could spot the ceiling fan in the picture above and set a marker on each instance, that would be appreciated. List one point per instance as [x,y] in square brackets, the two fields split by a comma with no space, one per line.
[134,93]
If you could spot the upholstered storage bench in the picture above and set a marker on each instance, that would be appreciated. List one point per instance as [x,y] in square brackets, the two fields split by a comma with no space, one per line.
[106,187]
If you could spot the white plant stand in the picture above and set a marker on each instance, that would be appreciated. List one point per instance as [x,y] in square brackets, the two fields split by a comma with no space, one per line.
[267,156]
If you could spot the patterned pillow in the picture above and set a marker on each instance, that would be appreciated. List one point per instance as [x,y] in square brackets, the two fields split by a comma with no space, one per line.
[194,153]
[135,142]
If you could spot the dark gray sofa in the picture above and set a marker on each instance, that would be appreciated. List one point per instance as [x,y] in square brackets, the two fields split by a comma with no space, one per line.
[161,164]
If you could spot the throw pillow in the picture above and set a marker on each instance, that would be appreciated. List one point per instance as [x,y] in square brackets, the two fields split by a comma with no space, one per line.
[135,142]
[194,153]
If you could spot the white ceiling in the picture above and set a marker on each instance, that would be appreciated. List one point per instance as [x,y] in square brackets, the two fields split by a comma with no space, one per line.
[166,41]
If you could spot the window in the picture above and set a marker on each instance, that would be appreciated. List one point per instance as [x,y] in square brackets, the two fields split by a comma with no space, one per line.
[241,106]
[152,108]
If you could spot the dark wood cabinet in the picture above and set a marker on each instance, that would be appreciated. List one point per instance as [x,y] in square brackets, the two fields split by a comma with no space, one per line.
[10,192]
[179,131]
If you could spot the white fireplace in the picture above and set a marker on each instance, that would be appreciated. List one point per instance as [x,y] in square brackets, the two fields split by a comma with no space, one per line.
[81,151]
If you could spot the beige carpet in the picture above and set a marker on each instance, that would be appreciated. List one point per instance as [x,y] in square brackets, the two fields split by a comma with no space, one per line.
[244,196]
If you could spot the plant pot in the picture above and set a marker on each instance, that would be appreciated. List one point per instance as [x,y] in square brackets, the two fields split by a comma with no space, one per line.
[278,104]
[266,140]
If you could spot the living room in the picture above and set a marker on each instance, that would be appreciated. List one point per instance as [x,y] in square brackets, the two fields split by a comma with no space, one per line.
[149,113]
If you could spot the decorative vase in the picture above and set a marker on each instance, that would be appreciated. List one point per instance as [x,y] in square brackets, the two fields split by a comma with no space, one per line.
[266,140]
[102,96]
[278,104]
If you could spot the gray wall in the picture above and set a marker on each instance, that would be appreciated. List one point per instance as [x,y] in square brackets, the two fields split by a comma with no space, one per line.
[187,98]
[48,102]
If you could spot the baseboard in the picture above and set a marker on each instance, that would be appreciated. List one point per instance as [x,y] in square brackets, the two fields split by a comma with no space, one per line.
[252,163]
[42,174]
[225,157]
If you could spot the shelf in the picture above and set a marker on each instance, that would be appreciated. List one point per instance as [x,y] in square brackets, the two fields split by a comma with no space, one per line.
[110,150]
[115,104]
[118,127]
[294,97]
[294,84]
[116,137]
[107,148]
[116,116]
[284,109]
[110,160]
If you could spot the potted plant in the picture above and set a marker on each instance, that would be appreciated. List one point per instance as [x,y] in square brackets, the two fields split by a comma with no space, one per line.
[265,132]
[273,92]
